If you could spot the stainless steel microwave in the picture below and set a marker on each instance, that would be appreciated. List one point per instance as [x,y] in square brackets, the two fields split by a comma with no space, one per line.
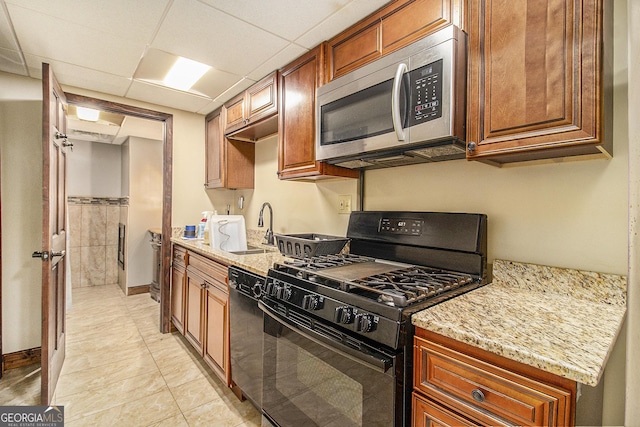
[407,107]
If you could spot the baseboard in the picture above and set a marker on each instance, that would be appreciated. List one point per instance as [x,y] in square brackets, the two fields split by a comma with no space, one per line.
[21,358]
[136,290]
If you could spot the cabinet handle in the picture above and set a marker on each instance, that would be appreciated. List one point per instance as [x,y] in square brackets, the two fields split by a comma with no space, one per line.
[478,395]
[471,146]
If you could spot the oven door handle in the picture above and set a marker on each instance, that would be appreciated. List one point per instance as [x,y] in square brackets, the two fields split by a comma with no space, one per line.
[376,361]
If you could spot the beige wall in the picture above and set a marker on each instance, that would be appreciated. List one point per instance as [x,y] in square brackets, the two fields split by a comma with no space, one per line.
[145,207]
[21,145]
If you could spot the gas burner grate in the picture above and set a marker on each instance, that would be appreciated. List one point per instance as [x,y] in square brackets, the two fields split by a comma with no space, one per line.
[327,261]
[401,288]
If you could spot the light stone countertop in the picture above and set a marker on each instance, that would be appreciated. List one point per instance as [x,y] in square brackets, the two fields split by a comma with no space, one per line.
[559,320]
[256,263]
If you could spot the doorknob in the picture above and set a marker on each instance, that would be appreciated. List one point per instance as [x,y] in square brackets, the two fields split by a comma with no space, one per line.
[61,135]
[54,254]
[40,254]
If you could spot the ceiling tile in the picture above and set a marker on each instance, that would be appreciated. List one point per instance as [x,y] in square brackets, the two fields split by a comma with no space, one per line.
[275,16]
[280,59]
[7,40]
[239,87]
[202,33]
[11,62]
[48,37]
[164,96]
[73,75]
[131,20]
[348,15]
[209,107]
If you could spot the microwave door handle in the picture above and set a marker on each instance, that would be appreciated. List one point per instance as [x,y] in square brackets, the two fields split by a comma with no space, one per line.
[395,101]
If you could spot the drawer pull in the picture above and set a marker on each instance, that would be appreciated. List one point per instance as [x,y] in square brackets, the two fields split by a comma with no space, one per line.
[478,395]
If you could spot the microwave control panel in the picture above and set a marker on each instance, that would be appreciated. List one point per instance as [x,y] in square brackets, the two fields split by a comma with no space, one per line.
[426,93]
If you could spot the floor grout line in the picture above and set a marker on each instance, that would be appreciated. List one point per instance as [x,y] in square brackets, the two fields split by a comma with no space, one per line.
[143,315]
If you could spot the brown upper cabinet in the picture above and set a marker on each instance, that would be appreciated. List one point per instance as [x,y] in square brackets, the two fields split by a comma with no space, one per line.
[252,115]
[392,27]
[228,164]
[297,121]
[537,79]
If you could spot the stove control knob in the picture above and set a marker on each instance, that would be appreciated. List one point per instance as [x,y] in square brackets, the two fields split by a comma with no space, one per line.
[366,323]
[311,302]
[344,315]
[287,293]
[283,292]
[269,289]
[256,289]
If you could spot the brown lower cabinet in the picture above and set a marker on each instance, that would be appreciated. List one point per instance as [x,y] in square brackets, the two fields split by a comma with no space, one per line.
[200,308]
[457,384]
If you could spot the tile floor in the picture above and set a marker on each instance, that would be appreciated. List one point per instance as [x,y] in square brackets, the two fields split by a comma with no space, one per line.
[119,370]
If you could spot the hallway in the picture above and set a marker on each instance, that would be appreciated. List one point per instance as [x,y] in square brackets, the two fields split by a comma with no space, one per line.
[119,370]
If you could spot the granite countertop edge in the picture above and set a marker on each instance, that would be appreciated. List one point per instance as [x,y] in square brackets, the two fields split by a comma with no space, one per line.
[255,263]
[559,320]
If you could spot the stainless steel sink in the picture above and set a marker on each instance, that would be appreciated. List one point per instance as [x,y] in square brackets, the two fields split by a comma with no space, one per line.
[251,250]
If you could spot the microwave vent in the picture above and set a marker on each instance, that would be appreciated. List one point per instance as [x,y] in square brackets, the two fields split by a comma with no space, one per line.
[440,152]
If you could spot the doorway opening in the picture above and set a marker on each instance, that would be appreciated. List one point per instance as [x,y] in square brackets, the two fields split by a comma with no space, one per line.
[167,149]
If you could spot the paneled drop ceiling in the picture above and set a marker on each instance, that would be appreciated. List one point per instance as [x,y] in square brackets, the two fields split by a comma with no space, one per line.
[100,45]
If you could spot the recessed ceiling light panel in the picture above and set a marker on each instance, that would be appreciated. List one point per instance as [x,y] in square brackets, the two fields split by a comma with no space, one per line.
[185,73]
[88,114]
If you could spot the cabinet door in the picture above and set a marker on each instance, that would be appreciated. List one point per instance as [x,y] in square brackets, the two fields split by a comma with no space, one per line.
[536,79]
[429,414]
[216,345]
[297,120]
[390,28]
[228,164]
[417,19]
[214,151]
[261,99]
[177,297]
[194,292]
[235,114]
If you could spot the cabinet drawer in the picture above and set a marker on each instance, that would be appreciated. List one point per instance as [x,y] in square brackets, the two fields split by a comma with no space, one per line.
[427,413]
[179,256]
[452,376]
[210,269]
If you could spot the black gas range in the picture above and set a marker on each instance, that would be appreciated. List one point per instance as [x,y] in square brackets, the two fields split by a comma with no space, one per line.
[349,315]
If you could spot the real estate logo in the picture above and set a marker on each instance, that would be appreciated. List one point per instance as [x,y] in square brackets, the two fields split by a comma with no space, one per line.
[31,416]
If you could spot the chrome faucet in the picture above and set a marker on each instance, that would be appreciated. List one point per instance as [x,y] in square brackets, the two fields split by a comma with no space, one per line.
[269,234]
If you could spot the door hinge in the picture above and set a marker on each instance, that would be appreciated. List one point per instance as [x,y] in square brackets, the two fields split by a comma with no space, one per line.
[40,254]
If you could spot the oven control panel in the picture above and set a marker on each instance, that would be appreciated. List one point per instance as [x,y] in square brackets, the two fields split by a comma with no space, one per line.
[408,226]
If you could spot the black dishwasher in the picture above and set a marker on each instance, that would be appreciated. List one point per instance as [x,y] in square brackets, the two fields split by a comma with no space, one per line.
[246,325]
